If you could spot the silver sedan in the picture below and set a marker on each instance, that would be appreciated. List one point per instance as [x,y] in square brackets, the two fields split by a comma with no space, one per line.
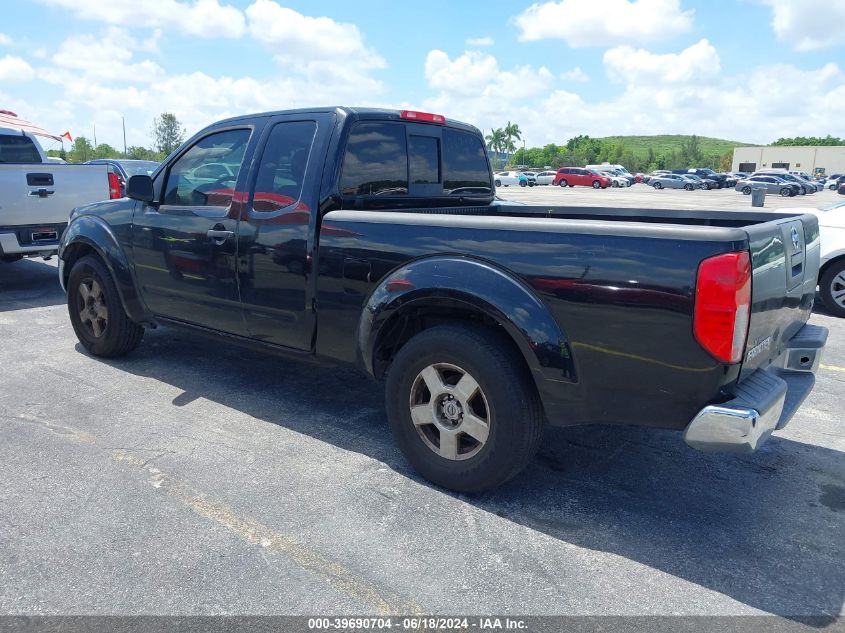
[773,184]
[671,181]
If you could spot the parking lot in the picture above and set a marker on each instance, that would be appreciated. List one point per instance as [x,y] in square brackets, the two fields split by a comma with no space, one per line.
[192,477]
[643,196]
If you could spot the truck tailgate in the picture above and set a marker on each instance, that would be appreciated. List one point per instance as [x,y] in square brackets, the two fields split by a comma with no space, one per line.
[46,193]
[785,257]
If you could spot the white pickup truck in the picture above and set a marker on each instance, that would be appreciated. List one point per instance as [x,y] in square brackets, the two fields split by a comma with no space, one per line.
[37,196]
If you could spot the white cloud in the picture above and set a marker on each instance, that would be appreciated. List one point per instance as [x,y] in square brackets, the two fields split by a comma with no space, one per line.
[480,41]
[202,18]
[15,69]
[576,74]
[808,25]
[108,56]
[679,93]
[588,23]
[5,40]
[697,63]
[296,38]
[477,75]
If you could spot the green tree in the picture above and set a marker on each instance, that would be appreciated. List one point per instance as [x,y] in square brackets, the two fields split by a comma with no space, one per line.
[691,155]
[495,142]
[81,151]
[726,161]
[167,132]
[810,140]
[104,150]
[143,153]
[512,134]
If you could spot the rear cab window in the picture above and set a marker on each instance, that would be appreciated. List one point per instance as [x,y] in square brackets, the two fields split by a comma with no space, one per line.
[409,161]
[18,149]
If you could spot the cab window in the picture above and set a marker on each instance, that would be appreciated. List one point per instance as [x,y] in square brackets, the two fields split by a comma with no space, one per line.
[281,173]
[376,161]
[205,175]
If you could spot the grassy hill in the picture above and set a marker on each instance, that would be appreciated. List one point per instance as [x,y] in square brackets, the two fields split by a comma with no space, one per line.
[665,143]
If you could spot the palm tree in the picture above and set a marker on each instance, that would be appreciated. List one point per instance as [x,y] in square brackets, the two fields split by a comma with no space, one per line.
[495,141]
[512,132]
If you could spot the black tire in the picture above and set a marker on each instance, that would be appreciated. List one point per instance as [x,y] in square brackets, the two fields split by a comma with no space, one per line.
[705,186]
[523,183]
[513,408]
[832,283]
[657,185]
[786,192]
[563,182]
[498,183]
[118,333]
[688,187]
[597,185]
[746,190]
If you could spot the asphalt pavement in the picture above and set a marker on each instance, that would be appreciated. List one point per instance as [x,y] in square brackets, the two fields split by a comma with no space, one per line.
[196,478]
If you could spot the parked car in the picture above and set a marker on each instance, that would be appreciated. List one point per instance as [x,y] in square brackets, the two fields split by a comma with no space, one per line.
[580,176]
[508,178]
[739,175]
[125,168]
[703,183]
[36,195]
[834,181]
[532,177]
[483,325]
[615,179]
[545,177]
[706,172]
[831,220]
[773,184]
[671,181]
[618,170]
[803,186]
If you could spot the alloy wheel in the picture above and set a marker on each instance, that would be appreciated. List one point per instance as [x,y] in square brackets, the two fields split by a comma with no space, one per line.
[449,411]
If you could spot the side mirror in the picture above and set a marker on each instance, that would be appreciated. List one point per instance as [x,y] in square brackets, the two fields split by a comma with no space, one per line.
[140,188]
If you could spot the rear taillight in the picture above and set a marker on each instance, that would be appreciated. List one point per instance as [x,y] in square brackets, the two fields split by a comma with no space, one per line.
[114,187]
[723,305]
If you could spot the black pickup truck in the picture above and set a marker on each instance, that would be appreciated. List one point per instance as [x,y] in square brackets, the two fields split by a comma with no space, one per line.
[374,238]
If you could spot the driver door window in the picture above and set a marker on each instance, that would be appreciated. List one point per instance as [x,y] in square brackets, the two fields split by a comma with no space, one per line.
[205,175]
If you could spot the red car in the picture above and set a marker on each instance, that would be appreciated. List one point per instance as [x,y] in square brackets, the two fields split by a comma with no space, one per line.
[571,176]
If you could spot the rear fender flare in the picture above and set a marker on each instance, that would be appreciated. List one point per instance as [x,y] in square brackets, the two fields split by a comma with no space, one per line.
[478,286]
[92,232]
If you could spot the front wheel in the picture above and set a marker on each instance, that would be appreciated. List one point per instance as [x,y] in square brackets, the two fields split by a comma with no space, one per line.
[786,192]
[462,407]
[832,288]
[596,184]
[498,183]
[522,183]
[658,185]
[746,191]
[563,183]
[96,313]
[688,187]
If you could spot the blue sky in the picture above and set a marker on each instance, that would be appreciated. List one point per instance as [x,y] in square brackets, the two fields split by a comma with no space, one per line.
[750,70]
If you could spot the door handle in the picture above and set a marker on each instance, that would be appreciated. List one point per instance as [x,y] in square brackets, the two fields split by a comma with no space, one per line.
[42,193]
[219,236]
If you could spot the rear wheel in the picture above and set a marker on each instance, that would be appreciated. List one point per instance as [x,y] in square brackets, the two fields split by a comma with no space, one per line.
[462,407]
[523,183]
[96,313]
[705,186]
[498,183]
[657,185]
[832,288]
[688,187]
[563,182]
[596,184]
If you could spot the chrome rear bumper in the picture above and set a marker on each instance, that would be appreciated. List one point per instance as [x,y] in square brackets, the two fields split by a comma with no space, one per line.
[762,403]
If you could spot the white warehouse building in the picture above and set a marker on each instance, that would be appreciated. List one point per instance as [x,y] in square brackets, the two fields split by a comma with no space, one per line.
[810,158]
